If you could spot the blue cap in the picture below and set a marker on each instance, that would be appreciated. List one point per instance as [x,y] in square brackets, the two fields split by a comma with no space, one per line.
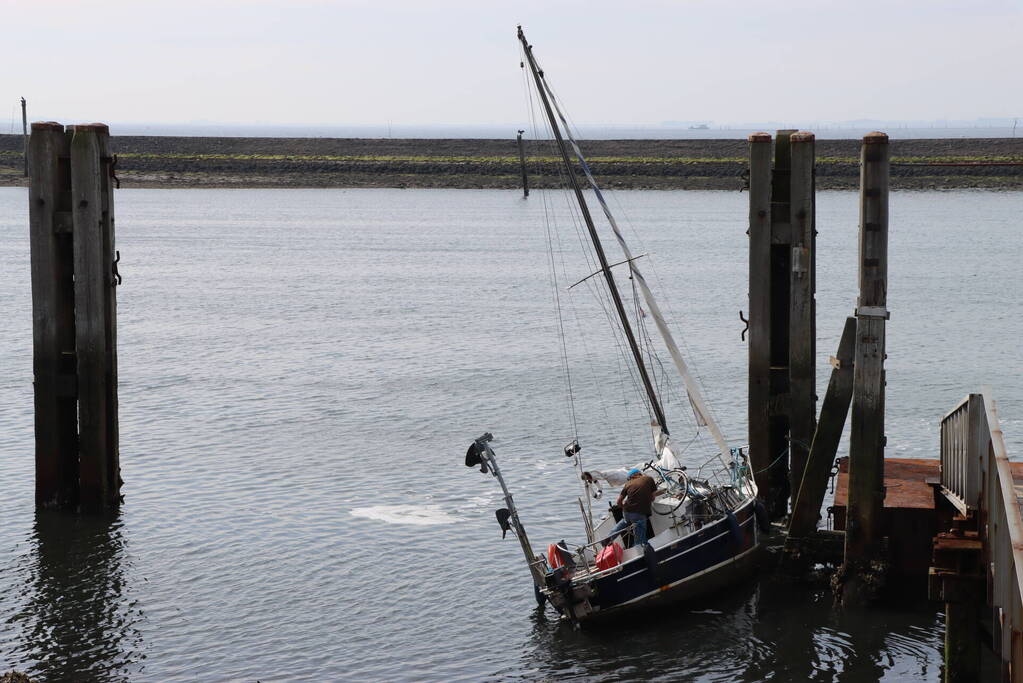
[633,471]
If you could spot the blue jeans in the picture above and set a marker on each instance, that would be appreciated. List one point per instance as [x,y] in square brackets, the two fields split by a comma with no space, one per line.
[629,518]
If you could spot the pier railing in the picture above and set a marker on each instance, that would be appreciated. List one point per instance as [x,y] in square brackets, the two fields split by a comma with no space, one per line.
[963,439]
[977,478]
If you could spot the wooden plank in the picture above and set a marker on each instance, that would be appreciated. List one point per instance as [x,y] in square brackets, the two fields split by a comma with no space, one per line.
[92,315]
[759,309]
[810,496]
[53,331]
[802,363]
[863,541]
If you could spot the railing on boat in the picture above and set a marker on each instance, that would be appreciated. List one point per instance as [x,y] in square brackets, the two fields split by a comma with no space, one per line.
[730,475]
[977,478]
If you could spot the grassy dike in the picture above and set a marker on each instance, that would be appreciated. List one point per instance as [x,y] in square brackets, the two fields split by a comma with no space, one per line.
[639,164]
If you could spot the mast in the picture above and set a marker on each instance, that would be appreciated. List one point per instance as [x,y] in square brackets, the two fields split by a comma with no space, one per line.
[696,398]
[655,404]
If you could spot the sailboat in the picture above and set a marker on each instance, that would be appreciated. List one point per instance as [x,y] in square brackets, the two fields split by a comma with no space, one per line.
[706,523]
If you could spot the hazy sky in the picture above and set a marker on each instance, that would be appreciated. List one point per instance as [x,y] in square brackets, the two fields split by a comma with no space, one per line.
[453,62]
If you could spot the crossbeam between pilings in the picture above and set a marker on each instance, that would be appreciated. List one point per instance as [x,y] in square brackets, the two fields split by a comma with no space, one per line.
[74,311]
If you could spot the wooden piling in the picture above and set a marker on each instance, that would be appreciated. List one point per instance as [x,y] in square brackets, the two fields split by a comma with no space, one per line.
[113,454]
[810,497]
[94,316]
[802,404]
[522,164]
[780,309]
[74,311]
[53,322]
[863,541]
[760,309]
[782,398]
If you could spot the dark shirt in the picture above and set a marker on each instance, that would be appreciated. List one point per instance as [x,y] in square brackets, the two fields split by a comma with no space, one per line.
[639,494]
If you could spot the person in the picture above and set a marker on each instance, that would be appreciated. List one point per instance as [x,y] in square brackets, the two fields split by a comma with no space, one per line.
[639,492]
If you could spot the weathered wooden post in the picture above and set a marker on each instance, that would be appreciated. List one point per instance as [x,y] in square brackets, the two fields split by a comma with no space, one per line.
[24,133]
[782,398]
[861,573]
[53,318]
[92,200]
[522,165]
[802,405]
[760,310]
[74,313]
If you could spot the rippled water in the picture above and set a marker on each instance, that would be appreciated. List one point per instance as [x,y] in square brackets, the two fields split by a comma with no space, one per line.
[301,372]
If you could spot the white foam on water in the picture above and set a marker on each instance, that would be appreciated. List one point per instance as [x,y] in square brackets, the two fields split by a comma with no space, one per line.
[421,515]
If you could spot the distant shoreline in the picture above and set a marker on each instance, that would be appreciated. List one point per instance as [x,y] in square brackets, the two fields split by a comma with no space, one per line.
[205,162]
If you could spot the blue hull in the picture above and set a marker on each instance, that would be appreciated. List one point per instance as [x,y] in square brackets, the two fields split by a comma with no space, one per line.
[685,568]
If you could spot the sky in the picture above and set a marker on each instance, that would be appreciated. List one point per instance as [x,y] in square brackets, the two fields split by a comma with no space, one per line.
[437,62]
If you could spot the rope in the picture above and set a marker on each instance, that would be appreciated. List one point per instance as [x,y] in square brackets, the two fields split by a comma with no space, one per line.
[773,462]
[783,454]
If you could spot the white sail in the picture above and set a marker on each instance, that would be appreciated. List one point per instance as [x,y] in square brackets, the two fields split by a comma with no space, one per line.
[703,415]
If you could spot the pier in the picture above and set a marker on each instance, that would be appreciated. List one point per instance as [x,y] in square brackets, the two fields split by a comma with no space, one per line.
[950,525]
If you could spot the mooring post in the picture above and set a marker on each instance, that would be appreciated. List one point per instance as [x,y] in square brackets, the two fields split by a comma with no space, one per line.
[810,496]
[522,165]
[780,308]
[113,469]
[760,310]
[53,318]
[863,538]
[802,404]
[92,202]
[781,321]
[24,133]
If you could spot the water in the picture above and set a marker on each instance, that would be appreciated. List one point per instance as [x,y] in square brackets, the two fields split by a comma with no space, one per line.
[301,372]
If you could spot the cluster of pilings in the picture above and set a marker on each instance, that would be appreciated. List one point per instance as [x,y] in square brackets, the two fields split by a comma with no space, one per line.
[792,449]
[74,311]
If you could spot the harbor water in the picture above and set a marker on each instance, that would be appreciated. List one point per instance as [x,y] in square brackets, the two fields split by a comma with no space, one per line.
[301,372]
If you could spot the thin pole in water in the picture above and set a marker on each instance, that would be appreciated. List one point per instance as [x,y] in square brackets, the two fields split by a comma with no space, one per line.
[522,164]
[24,133]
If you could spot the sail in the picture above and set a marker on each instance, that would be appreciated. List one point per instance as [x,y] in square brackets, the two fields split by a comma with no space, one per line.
[696,399]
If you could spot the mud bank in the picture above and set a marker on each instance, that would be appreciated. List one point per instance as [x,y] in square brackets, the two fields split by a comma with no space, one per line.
[157,162]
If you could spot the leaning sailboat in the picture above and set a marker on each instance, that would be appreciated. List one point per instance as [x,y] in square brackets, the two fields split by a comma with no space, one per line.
[705,523]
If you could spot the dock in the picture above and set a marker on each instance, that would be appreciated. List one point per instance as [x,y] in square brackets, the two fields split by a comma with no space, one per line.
[914,510]
[947,527]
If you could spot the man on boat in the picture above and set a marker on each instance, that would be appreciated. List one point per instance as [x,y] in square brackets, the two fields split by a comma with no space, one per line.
[639,492]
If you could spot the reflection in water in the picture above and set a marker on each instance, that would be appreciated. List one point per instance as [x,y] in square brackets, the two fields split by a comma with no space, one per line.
[75,621]
[769,630]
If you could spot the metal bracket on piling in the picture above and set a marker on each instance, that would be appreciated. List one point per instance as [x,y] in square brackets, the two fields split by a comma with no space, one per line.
[879,312]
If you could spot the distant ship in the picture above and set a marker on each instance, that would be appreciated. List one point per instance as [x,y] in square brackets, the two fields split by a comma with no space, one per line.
[700,126]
